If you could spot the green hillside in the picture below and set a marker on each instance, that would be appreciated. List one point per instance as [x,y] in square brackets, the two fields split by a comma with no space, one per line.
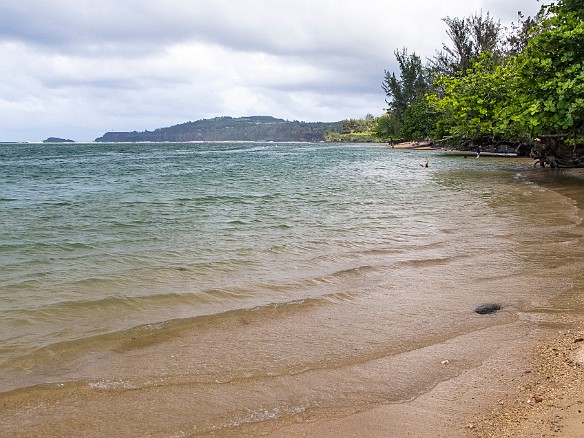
[256,128]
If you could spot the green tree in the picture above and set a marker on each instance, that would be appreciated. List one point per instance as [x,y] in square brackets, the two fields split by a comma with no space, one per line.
[469,37]
[516,41]
[405,98]
[387,127]
[552,72]
[477,104]
[419,120]
[537,93]
[411,85]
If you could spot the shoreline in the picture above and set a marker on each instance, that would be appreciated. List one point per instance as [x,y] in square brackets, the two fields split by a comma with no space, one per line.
[550,399]
[542,395]
[426,146]
[386,345]
[537,390]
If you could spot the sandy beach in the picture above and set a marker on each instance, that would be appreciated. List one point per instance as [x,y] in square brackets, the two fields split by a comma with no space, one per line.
[339,304]
[549,399]
[538,394]
[543,396]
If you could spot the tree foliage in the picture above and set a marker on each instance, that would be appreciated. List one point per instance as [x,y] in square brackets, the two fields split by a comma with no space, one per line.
[488,86]
[536,92]
[476,104]
[411,85]
[552,71]
[405,97]
[469,37]
[355,130]
[517,39]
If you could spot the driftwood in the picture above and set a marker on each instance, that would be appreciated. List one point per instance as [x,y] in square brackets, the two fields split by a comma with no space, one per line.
[551,150]
[485,144]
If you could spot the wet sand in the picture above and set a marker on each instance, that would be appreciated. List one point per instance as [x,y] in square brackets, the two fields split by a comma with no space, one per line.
[515,373]
[533,393]
[557,409]
[533,388]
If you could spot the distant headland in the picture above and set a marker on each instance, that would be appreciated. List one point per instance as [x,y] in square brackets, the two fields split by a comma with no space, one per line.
[253,128]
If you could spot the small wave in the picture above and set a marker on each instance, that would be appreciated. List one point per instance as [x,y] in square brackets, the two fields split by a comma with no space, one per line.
[110,304]
[340,297]
[380,251]
[239,150]
[420,263]
[264,414]
[58,203]
[352,272]
[237,222]
[108,385]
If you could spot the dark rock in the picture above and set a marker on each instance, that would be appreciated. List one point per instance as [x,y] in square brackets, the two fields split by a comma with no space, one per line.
[483,309]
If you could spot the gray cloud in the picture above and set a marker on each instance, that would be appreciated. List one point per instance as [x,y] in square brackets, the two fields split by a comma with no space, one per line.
[78,68]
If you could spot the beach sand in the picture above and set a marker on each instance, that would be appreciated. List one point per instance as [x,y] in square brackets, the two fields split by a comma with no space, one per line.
[549,402]
[540,394]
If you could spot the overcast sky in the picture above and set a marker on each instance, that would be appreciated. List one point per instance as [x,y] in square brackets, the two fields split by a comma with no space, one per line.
[78,68]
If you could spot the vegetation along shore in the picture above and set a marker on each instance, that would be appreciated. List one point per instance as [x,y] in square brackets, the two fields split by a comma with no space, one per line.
[517,90]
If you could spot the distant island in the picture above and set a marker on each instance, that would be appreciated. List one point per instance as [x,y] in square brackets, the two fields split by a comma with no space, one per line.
[254,128]
[57,140]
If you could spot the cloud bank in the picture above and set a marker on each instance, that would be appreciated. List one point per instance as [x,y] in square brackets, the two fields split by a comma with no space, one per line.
[78,68]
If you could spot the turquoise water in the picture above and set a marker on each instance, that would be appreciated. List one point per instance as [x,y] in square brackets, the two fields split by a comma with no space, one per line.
[219,266]
[98,237]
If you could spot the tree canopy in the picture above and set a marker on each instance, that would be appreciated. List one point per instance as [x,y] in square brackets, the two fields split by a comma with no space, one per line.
[496,87]
[470,37]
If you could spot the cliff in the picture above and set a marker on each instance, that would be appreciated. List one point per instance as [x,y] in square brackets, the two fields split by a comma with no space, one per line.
[256,128]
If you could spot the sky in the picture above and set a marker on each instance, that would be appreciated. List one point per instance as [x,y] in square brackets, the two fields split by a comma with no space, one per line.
[78,68]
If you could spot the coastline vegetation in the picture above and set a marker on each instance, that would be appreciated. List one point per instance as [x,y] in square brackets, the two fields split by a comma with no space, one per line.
[521,87]
[355,131]
[252,128]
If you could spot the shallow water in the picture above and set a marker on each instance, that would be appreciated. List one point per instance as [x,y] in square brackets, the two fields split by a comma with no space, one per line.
[229,284]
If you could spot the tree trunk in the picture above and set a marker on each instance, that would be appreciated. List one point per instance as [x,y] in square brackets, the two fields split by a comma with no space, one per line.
[553,151]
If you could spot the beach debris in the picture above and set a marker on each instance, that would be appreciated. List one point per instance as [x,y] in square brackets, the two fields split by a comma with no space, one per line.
[484,309]
[445,362]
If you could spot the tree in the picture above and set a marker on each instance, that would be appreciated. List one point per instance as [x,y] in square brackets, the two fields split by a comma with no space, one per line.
[419,120]
[537,93]
[552,74]
[402,94]
[517,39]
[477,105]
[552,71]
[470,37]
[387,127]
[411,85]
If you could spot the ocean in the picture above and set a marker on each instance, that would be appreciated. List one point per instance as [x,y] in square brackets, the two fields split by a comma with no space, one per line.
[208,287]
